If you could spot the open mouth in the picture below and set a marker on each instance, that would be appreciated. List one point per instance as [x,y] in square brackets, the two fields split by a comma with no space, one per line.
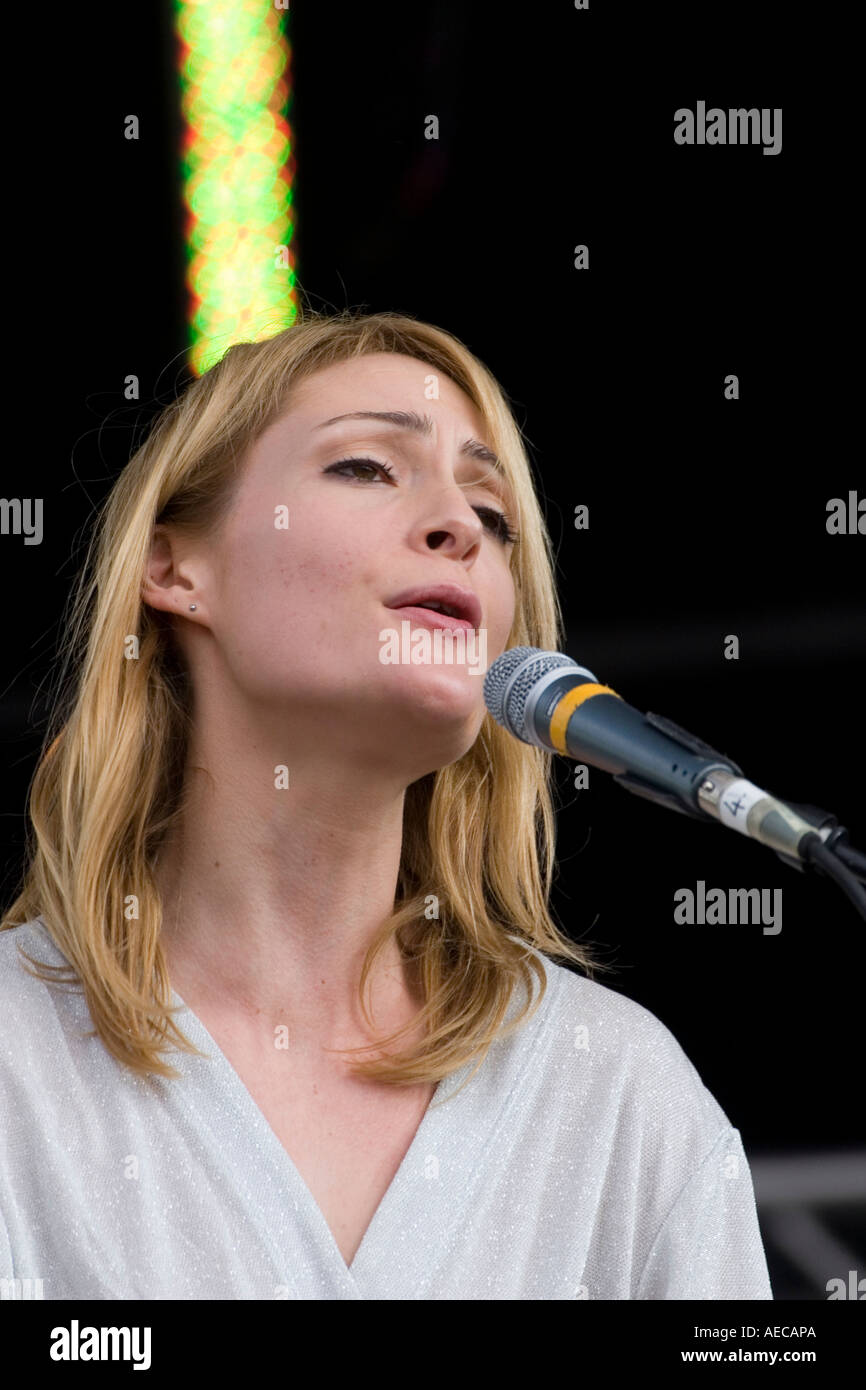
[432,617]
[439,605]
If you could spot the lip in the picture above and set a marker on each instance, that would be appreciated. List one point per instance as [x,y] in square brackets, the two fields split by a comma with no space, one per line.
[463,600]
[429,618]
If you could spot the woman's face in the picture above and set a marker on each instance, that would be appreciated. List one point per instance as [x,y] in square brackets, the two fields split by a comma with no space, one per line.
[296,613]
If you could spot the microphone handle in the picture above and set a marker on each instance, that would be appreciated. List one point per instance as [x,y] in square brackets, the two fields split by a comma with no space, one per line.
[657,759]
[646,753]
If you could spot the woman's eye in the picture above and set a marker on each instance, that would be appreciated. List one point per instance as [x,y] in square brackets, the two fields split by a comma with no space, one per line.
[360,463]
[500,524]
[496,522]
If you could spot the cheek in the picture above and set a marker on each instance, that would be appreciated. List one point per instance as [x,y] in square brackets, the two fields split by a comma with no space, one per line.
[307,564]
[506,610]
[318,584]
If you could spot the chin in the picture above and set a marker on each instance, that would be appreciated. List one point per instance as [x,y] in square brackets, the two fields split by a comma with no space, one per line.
[439,710]
[447,692]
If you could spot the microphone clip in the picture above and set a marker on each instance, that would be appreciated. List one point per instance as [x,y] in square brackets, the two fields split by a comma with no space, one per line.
[633,783]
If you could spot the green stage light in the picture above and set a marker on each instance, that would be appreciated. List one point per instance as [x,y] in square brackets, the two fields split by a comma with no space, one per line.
[237,167]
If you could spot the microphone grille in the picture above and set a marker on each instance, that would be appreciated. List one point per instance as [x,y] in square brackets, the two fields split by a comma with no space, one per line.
[510,679]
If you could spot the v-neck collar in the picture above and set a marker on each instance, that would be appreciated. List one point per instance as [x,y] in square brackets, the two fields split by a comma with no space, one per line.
[435,1191]
[422,1205]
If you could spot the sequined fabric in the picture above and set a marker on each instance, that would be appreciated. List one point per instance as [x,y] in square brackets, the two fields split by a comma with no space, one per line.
[585,1160]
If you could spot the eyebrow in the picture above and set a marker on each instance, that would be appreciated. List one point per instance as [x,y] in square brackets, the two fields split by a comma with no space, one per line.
[422,424]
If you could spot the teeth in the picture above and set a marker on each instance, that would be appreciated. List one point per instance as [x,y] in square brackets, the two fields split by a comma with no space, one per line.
[439,608]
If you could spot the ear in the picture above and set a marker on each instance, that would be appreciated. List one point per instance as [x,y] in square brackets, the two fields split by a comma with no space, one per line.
[165,584]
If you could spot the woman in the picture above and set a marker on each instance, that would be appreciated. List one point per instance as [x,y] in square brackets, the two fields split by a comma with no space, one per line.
[317,880]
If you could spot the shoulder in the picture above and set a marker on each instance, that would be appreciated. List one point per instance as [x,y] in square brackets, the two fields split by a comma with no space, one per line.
[32,1012]
[31,939]
[618,1022]
[605,1007]
[608,1044]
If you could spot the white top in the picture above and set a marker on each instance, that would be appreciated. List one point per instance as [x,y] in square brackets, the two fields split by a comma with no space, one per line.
[586,1159]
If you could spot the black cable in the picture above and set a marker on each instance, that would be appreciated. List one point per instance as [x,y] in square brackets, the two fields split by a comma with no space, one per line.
[855,861]
[836,838]
[814,851]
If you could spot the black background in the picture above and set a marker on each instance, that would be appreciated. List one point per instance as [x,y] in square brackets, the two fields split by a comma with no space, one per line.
[707,516]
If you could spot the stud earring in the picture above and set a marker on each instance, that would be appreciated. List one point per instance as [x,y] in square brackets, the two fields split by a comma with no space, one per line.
[192,607]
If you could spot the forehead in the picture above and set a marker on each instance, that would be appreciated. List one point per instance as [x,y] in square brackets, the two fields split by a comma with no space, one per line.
[383,381]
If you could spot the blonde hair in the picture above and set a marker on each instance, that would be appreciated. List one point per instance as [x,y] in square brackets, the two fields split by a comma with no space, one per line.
[478,833]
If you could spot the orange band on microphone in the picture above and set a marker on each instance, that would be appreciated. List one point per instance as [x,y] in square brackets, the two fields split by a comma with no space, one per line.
[568,704]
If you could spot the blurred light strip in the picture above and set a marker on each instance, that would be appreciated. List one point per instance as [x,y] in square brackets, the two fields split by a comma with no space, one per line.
[801,1179]
[237,168]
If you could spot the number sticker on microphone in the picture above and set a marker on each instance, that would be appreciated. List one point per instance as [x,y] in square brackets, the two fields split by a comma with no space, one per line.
[737,802]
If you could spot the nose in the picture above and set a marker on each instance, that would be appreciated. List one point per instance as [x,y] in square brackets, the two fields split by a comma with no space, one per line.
[448,523]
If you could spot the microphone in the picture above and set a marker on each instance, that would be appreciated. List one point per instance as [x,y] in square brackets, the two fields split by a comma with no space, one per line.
[547,699]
